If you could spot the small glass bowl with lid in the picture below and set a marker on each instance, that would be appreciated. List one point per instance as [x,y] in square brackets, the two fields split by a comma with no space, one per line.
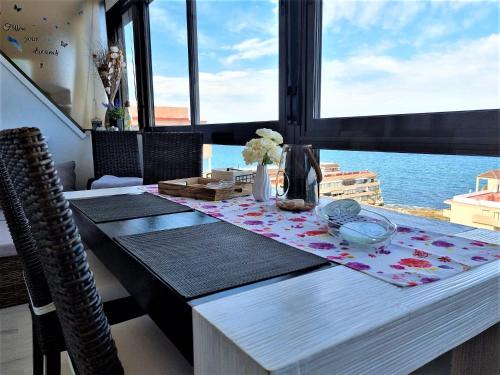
[348,219]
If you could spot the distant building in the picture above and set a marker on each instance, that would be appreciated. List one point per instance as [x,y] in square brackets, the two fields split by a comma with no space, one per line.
[489,181]
[362,186]
[480,209]
[165,116]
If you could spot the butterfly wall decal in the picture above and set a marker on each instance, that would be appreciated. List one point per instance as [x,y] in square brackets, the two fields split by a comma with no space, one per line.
[64,44]
[41,65]
[17,8]
[15,43]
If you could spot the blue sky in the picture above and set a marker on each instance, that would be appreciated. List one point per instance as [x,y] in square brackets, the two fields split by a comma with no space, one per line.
[404,28]
[378,57]
[222,27]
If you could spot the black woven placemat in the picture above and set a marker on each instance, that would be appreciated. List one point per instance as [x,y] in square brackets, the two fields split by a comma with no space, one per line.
[208,258]
[126,206]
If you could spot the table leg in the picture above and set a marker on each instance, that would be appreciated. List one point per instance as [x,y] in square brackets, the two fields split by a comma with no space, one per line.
[479,356]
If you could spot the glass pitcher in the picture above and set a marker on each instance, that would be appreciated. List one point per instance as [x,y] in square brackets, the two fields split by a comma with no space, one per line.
[298,178]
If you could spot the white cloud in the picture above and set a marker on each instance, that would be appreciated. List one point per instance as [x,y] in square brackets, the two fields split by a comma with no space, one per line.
[464,76]
[171,91]
[250,95]
[395,14]
[227,96]
[251,49]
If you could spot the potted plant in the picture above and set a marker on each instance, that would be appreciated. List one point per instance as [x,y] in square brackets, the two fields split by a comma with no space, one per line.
[116,115]
[263,151]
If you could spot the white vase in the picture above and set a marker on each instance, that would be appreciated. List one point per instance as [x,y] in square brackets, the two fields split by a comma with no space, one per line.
[261,188]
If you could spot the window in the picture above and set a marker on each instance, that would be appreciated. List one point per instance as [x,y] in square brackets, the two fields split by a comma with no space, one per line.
[392,57]
[238,60]
[355,75]
[221,156]
[169,58]
[130,75]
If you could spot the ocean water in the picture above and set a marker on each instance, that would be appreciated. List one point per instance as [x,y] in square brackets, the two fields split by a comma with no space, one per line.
[406,179]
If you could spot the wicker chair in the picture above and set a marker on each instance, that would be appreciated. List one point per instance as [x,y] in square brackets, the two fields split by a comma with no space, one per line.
[30,182]
[169,156]
[116,159]
[47,335]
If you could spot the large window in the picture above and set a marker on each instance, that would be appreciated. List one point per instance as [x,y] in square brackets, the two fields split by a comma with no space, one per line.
[405,76]
[238,60]
[169,60]
[388,57]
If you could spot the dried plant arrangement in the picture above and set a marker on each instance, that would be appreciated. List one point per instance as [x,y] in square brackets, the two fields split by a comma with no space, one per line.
[110,63]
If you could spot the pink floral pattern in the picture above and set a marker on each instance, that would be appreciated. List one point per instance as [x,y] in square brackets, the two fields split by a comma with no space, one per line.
[412,257]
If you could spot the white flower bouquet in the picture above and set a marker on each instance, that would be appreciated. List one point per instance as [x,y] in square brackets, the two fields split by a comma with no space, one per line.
[264,150]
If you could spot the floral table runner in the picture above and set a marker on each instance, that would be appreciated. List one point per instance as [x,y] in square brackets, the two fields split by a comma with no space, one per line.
[412,256]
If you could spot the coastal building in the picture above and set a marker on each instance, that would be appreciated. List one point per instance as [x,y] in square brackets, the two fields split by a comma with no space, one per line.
[362,186]
[489,181]
[480,209]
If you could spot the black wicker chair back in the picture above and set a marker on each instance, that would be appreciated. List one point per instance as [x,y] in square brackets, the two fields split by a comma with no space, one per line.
[169,156]
[47,334]
[78,305]
[115,154]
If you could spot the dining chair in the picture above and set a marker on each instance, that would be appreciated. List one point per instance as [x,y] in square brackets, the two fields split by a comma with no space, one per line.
[116,159]
[172,155]
[46,332]
[135,346]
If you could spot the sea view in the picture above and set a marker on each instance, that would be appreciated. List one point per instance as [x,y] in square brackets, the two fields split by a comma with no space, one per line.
[417,180]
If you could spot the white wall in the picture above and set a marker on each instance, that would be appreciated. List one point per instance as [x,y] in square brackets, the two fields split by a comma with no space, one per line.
[22,105]
[70,77]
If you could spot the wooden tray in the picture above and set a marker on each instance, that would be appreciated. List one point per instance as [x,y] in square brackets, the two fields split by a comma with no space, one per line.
[196,187]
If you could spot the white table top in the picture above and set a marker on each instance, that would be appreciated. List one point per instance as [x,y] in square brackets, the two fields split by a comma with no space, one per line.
[348,322]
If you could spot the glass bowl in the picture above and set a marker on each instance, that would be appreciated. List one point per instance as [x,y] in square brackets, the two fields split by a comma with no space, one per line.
[363,227]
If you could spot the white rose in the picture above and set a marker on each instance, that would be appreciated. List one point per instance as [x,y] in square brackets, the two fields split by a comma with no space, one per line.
[114,49]
[270,134]
[275,154]
[114,55]
[249,156]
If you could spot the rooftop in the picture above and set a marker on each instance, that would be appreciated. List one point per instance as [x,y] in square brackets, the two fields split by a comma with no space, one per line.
[492,197]
[494,173]
[482,198]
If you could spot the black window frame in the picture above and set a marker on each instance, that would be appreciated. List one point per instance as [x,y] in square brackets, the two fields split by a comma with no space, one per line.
[475,132]
[472,132]
[236,133]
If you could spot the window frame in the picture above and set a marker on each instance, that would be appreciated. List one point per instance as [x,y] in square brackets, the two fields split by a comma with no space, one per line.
[431,132]
[299,97]
[233,133]
[139,16]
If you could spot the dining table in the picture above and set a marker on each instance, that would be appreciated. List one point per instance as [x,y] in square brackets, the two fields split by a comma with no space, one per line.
[323,318]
